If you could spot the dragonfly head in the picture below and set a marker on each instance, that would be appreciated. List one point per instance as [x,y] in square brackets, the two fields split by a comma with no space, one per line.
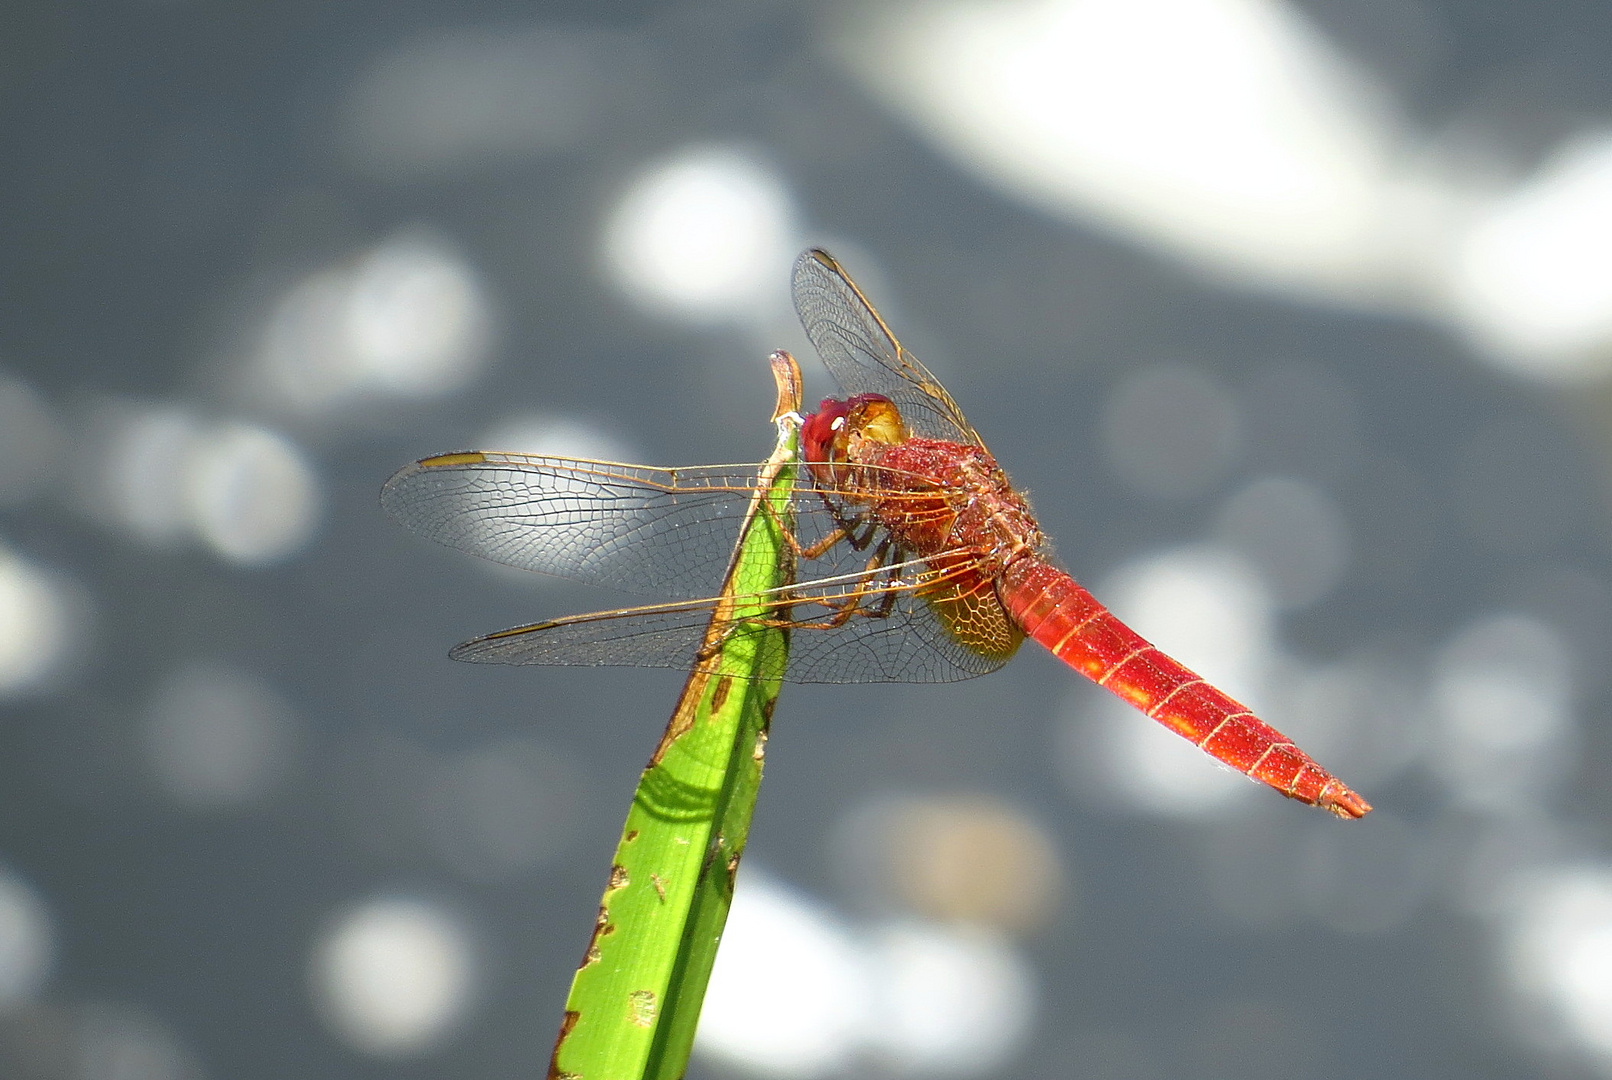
[830,434]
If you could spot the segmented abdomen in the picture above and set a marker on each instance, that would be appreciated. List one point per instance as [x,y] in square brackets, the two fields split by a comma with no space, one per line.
[1057,612]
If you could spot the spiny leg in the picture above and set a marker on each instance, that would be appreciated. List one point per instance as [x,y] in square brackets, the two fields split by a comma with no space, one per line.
[852,605]
[845,531]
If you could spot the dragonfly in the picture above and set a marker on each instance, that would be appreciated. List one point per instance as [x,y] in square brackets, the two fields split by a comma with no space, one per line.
[917,559]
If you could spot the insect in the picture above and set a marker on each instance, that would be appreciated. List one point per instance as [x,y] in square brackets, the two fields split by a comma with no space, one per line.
[917,559]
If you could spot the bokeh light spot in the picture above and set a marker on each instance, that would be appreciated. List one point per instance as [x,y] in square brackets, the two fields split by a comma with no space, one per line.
[1206,607]
[132,470]
[408,319]
[124,1042]
[947,1000]
[1365,717]
[788,996]
[251,493]
[1503,705]
[217,738]
[1559,958]
[37,623]
[1171,431]
[167,476]
[26,941]
[393,976]
[1533,278]
[415,318]
[707,235]
[30,440]
[497,810]
[1228,132]
[553,436]
[1292,532]
[954,858]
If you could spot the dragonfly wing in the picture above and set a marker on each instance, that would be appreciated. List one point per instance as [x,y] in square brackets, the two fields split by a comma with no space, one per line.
[630,527]
[662,635]
[905,644]
[640,529]
[891,634]
[862,354]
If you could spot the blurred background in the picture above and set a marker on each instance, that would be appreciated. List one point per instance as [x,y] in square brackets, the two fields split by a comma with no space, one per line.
[1294,316]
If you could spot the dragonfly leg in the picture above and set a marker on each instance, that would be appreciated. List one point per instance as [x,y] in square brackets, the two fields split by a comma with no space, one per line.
[849,523]
[845,532]
[844,610]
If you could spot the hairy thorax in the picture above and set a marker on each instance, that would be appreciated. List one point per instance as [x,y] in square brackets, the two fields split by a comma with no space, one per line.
[963,500]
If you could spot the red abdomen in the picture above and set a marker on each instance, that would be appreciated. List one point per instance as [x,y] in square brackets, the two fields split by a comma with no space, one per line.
[1057,612]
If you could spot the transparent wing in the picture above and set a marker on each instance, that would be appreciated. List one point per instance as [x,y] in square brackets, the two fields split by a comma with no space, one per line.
[666,532]
[876,627]
[862,354]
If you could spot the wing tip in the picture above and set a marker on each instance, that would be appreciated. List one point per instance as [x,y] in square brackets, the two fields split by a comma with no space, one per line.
[391,491]
[819,256]
[468,457]
[468,652]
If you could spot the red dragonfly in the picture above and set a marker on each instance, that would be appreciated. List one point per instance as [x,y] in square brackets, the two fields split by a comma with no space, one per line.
[918,560]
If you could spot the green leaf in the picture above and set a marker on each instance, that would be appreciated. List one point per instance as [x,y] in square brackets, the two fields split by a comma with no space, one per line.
[636,998]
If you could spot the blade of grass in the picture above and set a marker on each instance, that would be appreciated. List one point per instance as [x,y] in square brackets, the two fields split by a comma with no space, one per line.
[636,998]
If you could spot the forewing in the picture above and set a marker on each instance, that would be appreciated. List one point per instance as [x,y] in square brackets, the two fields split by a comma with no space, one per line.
[862,354]
[667,532]
[890,635]
[630,527]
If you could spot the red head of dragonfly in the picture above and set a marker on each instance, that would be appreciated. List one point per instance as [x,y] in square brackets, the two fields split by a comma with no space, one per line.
[828,435]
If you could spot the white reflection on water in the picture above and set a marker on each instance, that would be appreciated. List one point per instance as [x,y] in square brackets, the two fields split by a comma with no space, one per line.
[115,1041]
[40,623]
[468,97]
[946,1000]
[1292,532]
[1230,132]
[394,976]
[131,469]
[1502,694]
[27,941]
[796,992]
[706,235]
[408,319]
[1171,431]
[551,435]
[1532,279]
[789,994]
[169,476]
[217,738]
[251,494]
[31,440]
[1558,958]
